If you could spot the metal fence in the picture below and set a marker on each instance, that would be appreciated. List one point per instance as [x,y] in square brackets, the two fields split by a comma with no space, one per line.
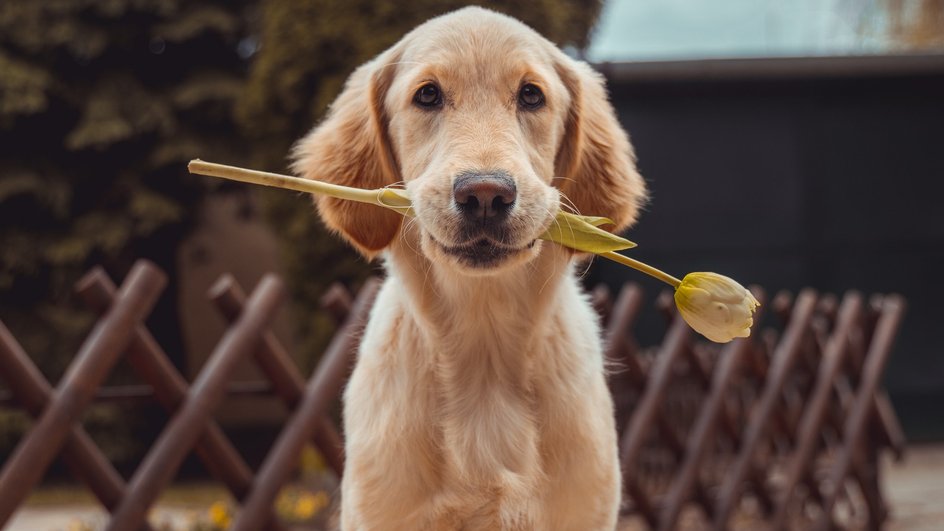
[782,429]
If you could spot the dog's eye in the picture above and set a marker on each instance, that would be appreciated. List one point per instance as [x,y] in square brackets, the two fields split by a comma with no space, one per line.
[530,97]
[428,96]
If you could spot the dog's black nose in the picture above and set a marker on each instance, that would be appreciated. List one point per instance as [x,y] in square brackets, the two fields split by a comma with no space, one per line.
[484,196]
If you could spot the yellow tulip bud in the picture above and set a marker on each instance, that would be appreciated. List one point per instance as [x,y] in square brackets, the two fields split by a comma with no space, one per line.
[716,306]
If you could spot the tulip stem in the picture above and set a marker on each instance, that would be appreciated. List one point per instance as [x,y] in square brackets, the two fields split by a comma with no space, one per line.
[645,268]
[264,178]
[366,196]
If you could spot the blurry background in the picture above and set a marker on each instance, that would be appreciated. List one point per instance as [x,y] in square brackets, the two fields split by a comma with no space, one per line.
[786,143]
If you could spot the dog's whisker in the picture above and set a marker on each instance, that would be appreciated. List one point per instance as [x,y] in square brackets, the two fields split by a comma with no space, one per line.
[562,178]
[565,200]
[408,241]
[586,268]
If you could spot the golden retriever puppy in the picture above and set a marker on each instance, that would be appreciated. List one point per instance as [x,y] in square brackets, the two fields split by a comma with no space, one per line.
[478,401]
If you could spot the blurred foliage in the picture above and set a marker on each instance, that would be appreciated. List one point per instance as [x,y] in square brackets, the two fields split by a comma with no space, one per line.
[118,430]
[102,103]
[307,51]
[916,24]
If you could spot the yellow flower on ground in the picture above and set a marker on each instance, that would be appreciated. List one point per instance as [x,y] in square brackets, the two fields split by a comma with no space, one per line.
[716,306]
[311,461]
[307,505]
[219,515]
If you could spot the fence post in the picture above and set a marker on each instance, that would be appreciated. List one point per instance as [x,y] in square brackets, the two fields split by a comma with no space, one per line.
[323,387]
[702,434]
[184,428]
[808,437]
[893,308]
[784,358]
[279,369]
[33,392]
[95,358]
[647,411]
[170,388]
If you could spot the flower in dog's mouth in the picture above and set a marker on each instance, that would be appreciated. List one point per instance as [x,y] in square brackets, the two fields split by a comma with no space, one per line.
[714,305]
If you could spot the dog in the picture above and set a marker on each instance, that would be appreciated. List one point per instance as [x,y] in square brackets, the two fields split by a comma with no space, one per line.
[478,400]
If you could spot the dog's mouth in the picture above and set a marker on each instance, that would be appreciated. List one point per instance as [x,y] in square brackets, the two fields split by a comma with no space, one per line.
[483,252]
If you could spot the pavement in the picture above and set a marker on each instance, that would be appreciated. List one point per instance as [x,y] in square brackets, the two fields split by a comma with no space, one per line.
[914,490]
[91,518]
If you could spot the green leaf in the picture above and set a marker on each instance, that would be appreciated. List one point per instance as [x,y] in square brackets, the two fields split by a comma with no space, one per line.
[598,221]
[582,233]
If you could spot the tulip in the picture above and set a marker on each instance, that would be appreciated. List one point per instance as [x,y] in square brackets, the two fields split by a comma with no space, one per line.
[714,305]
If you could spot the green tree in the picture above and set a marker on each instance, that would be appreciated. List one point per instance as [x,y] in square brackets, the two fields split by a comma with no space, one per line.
[308,50]
[102,102]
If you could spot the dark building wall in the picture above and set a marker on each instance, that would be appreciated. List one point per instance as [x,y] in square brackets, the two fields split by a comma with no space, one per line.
[827,177]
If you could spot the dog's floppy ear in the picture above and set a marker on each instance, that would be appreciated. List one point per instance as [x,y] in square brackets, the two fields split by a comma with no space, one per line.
[595,165]
[351,148]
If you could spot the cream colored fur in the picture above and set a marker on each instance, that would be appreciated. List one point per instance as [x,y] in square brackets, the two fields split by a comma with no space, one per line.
[478,401]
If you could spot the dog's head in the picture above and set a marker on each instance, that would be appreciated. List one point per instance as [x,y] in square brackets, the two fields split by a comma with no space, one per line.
[489,126]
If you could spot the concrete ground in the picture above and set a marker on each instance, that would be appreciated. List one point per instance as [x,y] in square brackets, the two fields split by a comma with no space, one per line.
[914,489]
[68,509]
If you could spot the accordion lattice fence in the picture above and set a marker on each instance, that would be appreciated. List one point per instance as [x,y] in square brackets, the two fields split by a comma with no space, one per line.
[782,430]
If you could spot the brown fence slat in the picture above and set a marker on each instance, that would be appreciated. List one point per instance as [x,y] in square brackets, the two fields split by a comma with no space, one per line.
[322,388]
[875,359]
[278,367]
[784,358]
[626,373]
[337,300]
[891,427]
[135,393]
[701,436]
[601,302]
[709,418]
[132,393]
[886,420]
[648,408]
[619,346]
[808,436]
[25,467]
[181,433]
[83,458]
[785,420]
[169,387]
